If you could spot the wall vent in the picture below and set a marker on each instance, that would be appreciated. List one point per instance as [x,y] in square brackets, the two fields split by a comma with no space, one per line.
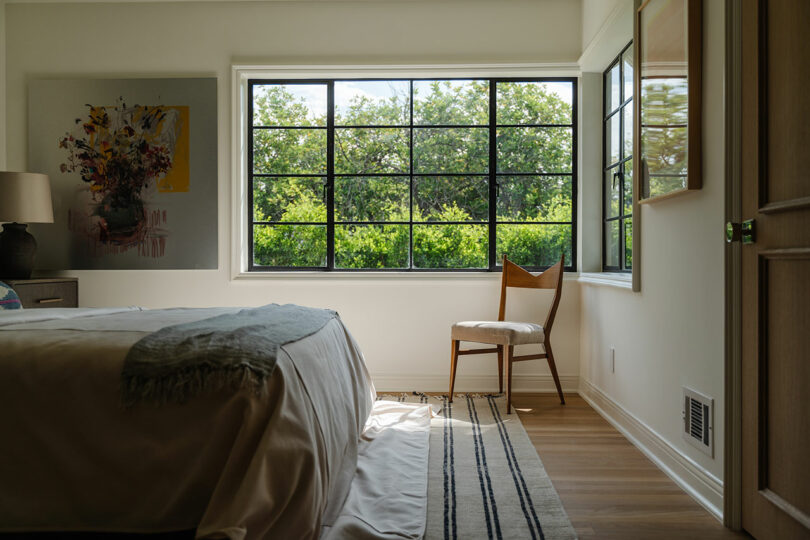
[698,427]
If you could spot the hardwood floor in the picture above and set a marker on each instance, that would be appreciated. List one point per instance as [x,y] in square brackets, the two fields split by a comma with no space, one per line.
[609,489]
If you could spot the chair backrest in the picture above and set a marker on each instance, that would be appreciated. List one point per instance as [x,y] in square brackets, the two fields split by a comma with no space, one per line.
[516,276]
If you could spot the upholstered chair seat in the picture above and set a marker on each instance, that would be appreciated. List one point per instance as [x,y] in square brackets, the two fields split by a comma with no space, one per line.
[498,332]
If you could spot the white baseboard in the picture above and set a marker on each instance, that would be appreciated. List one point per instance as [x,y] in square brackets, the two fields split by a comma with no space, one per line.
[409,382]
[703,486]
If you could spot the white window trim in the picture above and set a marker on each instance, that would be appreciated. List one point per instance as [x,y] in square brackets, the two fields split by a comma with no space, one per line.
[239,78]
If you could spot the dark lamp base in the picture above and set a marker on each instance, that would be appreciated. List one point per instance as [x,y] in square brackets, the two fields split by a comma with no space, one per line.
[17,250]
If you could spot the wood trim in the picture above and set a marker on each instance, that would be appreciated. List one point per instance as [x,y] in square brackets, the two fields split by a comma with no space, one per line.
[762,102]
[784,206]
[529,357]
[502,305]
[694,36]
[764,256]
[762,373]
[785,253]
[732,437]
[666,196]
[637,218]
[786,507]
[478,351]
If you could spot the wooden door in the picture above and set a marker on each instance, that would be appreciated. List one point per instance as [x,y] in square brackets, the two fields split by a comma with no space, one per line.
[776,269]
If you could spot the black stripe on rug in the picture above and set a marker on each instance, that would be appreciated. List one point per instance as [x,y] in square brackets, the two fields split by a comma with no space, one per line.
[483,471]
[514,467]
[450,529]
[452,473]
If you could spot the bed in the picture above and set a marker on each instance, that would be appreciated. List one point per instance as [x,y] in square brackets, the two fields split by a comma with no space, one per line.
[243,464]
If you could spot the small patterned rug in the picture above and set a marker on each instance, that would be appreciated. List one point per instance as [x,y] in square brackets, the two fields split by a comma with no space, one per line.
[485,479]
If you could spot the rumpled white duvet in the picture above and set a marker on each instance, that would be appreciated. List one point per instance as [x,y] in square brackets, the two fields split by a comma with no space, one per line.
[283,464]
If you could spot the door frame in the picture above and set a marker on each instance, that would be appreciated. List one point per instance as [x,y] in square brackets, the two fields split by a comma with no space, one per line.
[732,463]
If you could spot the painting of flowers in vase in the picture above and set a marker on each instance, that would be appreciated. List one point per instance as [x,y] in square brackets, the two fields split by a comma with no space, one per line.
[133,189]
[123,153]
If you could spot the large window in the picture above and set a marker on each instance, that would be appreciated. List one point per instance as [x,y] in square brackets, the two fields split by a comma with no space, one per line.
[411,174]
[617,183]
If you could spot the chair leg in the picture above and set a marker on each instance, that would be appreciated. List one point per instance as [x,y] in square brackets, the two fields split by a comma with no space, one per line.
[453,362]
[509,354]
[500,369]
[553,367]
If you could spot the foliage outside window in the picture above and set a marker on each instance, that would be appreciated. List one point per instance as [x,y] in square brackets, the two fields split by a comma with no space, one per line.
[617,182]
[411,174]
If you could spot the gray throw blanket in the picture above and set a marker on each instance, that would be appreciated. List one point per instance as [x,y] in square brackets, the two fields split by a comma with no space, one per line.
[227,352]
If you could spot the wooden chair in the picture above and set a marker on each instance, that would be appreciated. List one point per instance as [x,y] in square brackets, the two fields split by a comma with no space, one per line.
[507,333]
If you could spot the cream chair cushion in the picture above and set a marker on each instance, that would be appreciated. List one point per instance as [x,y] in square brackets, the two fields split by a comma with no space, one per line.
[498,332]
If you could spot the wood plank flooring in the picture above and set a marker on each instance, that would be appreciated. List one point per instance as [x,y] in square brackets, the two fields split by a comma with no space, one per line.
[609,489]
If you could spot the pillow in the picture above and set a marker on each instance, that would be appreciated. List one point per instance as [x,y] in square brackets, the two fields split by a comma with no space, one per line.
[8,298]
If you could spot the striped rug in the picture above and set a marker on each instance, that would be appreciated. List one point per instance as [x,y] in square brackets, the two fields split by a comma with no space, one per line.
[485,479]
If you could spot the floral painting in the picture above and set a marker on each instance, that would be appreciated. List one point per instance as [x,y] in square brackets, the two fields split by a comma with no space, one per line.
[132,193]
[122,153]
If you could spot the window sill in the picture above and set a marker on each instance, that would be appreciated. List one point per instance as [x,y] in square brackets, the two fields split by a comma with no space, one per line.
[378,276]
[608,279]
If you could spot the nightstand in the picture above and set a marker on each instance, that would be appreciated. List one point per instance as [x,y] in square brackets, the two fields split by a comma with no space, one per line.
[46,292]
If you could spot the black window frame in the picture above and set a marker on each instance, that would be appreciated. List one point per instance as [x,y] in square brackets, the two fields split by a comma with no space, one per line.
[619,166]
[492,126]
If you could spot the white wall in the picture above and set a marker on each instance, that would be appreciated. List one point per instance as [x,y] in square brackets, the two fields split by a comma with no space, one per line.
[402,323]
[607,26]
[594,15]
[589,217]
[671,334]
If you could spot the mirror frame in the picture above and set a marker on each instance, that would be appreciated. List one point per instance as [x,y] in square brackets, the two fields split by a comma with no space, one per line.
[694,39]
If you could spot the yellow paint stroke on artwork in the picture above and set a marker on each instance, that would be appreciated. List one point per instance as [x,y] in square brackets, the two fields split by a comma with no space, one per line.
[178,178]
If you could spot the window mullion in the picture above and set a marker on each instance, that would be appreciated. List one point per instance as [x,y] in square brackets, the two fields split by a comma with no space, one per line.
[493,181]
[622,179]
[410,179]
[330,175]
[620,243]
[249,168]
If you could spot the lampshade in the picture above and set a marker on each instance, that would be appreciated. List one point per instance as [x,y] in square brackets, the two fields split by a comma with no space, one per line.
[25,197]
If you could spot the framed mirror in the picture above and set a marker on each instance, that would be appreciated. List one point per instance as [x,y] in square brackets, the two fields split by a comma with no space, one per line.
[668,111]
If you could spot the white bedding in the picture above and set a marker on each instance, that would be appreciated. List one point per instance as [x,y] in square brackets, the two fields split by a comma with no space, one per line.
[22,316]
[277,465]
[388,497]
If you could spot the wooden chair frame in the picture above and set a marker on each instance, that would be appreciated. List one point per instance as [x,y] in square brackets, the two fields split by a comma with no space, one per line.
[517,277]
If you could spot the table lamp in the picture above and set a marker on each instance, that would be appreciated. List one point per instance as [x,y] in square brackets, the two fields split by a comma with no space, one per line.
[24,198]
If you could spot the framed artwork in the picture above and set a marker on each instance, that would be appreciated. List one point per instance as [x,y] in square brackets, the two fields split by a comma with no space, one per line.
[133,169]
[668,83]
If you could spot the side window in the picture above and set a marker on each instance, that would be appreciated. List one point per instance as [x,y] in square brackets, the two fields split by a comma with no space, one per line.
[617,176]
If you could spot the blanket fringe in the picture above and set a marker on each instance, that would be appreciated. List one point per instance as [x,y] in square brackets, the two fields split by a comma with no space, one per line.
[382,395]
[183,384]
